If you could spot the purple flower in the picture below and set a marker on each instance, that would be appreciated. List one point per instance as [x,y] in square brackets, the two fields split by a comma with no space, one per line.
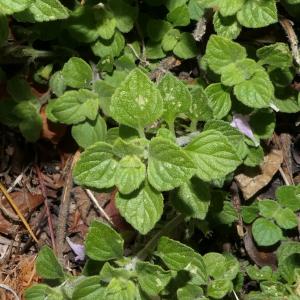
[78,249]
[241,122]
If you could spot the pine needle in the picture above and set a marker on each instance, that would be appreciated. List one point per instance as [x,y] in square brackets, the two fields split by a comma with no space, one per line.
[18,212]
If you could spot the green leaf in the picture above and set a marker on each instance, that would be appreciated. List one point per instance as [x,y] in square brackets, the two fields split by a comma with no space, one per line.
[219,100]
[130,174]
[179,16]
[256,92]
[103,243]
[189,292]
[277,55]
[119,288]
[262,123]
[10,7]
[195,9]
[250,213]
[156,29]
[289,269]
[43,11]
[200,109]
[154,50]
[36,292]
[136,102]
[176,97]
[88,289]
[19,89]
[57,84]
[75,106]
[213,154]
[172,4]
[89,132]
[265,273]
[170,39]
[96,167]
[215,264]
[268,208]
[286,218]
[218,289]
[193,198]
[265,232]
[220,52]
[47,265]
[124,14]
[4,28]
[106,24]
[152,278]
[287,249]
[178,256]
[108,272]
[122,147]
[77,73]
[186,47]
[254,156]
[234,136]
[82,24]
[258,13]
[142,208]
[239,71]
[227,27]
[230,7]
[289,196]
[112,47]
[31,127]
[168,165]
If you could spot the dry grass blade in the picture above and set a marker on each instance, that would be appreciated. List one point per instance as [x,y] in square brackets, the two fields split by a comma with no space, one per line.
[18,212]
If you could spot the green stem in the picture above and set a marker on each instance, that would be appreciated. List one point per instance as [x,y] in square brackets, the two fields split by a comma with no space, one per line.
[141,133]
[171,127]
[193,125]
[150,246]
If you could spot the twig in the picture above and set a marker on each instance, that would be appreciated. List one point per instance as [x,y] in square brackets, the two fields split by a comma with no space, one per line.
[6,287]
[64,209]
[287,25]
[284,177]
[50,223]
[18,212]
[96,203]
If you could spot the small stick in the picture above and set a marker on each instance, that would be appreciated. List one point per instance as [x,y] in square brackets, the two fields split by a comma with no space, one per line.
[287,25]
[102,211]
[18,212]
[50,223]
[284,177]
[64,208]
[6,287]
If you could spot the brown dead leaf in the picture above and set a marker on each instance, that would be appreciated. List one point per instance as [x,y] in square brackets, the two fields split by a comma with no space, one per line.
[253,180]
[51,131]
[265,257]
[25,201]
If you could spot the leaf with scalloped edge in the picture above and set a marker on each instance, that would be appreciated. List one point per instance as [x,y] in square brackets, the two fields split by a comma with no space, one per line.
[10,7]
[96,167]
[258,13]
[168,165]
[43,11]
[75,106]
[137,102]
[142,208]
[176,97]
[257,92]
[213,155]
[219,99]
[221,51]
[228,27]
[130,174]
